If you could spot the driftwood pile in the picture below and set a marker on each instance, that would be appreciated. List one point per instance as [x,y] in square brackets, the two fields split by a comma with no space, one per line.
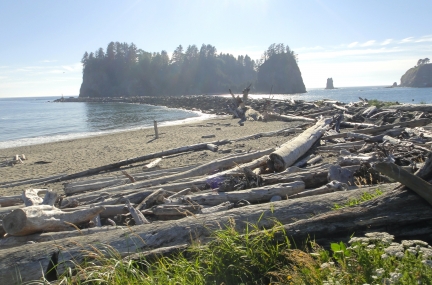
[346,150]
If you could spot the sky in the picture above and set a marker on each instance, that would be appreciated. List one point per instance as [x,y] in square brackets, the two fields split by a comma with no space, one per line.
[357,43]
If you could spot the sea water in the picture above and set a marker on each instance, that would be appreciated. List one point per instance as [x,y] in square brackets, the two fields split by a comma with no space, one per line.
[35,120]
[28,121]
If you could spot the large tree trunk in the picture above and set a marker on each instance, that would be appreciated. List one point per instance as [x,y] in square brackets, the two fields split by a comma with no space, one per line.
[30,261]
[292,150]
[400,212]
[46,218]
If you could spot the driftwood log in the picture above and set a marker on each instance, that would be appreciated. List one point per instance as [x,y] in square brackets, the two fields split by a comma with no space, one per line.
[197,171]
[46,218]
[292,150]
[136,159]
[30,261]
[254,195]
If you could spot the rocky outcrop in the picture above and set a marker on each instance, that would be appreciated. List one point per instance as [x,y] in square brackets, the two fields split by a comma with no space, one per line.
[418,76]
[329,84]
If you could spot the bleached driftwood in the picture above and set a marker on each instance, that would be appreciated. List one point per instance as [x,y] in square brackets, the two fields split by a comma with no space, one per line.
[290,151]
[136,159]
[7,201]
[31,197]
[270,134]
[12,241]
[31,261]
[413,123]
[254,195]
[412,107]
[328,188]
[136,215]
[99,183]
[197,171]
[218,208]
[289,118]
[46,218]
[413,182]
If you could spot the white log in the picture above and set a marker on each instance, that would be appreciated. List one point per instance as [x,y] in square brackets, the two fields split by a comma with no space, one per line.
[292,150]
[50,198]
[289,118]
[46,218]
[152,164]
[212,147]
[31,197]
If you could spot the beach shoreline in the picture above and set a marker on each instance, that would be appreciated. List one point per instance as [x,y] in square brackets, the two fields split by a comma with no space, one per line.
[75,155]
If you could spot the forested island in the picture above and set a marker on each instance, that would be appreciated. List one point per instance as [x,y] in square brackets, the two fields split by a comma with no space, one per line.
[124,70]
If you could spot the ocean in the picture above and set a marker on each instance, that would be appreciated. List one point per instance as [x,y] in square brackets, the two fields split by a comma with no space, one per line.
[35,120]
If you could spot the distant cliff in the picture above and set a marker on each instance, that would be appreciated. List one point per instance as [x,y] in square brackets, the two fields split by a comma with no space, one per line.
[418,76]
[123,70]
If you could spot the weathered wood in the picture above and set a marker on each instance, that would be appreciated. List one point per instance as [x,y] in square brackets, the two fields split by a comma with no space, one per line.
[99,183]
[401,213]
[357,125]
[135,160]
[289,118]
[413,123]
[415,183]
[412,107]
[341,146]
[328,188]
[370,111]
[31,197]
[292,150]
[40,218]
[270,134]
[175,210]
[109,212]
[355,159]
[186,191]
[50,198]
[341,174]
[152,164]
[12,241]
[254,195]
[212,147]
[156,197]
[35,181]
[225,206]
[136,215]
[7,201]
[156,129]
[197,171]
[30,261]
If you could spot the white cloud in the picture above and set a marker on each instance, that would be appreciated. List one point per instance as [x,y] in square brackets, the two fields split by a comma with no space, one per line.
[386,42]
[368,43]
[406,40]
[424,39]
[352,44]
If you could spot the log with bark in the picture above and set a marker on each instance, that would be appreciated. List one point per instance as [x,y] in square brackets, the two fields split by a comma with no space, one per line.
[292,150]
[30,261]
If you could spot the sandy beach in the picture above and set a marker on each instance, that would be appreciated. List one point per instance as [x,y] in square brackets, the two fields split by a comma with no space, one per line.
[67,157]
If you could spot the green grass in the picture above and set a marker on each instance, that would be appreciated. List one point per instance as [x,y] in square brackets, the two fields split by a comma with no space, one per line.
[380,104]
[363,198]
[266,257]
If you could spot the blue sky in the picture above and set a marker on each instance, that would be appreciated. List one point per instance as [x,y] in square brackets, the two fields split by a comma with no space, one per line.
[358,43]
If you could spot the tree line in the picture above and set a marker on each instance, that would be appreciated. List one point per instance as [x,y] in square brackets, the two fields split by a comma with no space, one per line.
[124,70]
[423,61]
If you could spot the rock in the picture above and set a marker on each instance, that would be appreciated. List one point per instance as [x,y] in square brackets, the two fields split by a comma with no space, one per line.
[329,84]
[418,76]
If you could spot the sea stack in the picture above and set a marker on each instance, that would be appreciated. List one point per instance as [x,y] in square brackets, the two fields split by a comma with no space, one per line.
[329,83]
